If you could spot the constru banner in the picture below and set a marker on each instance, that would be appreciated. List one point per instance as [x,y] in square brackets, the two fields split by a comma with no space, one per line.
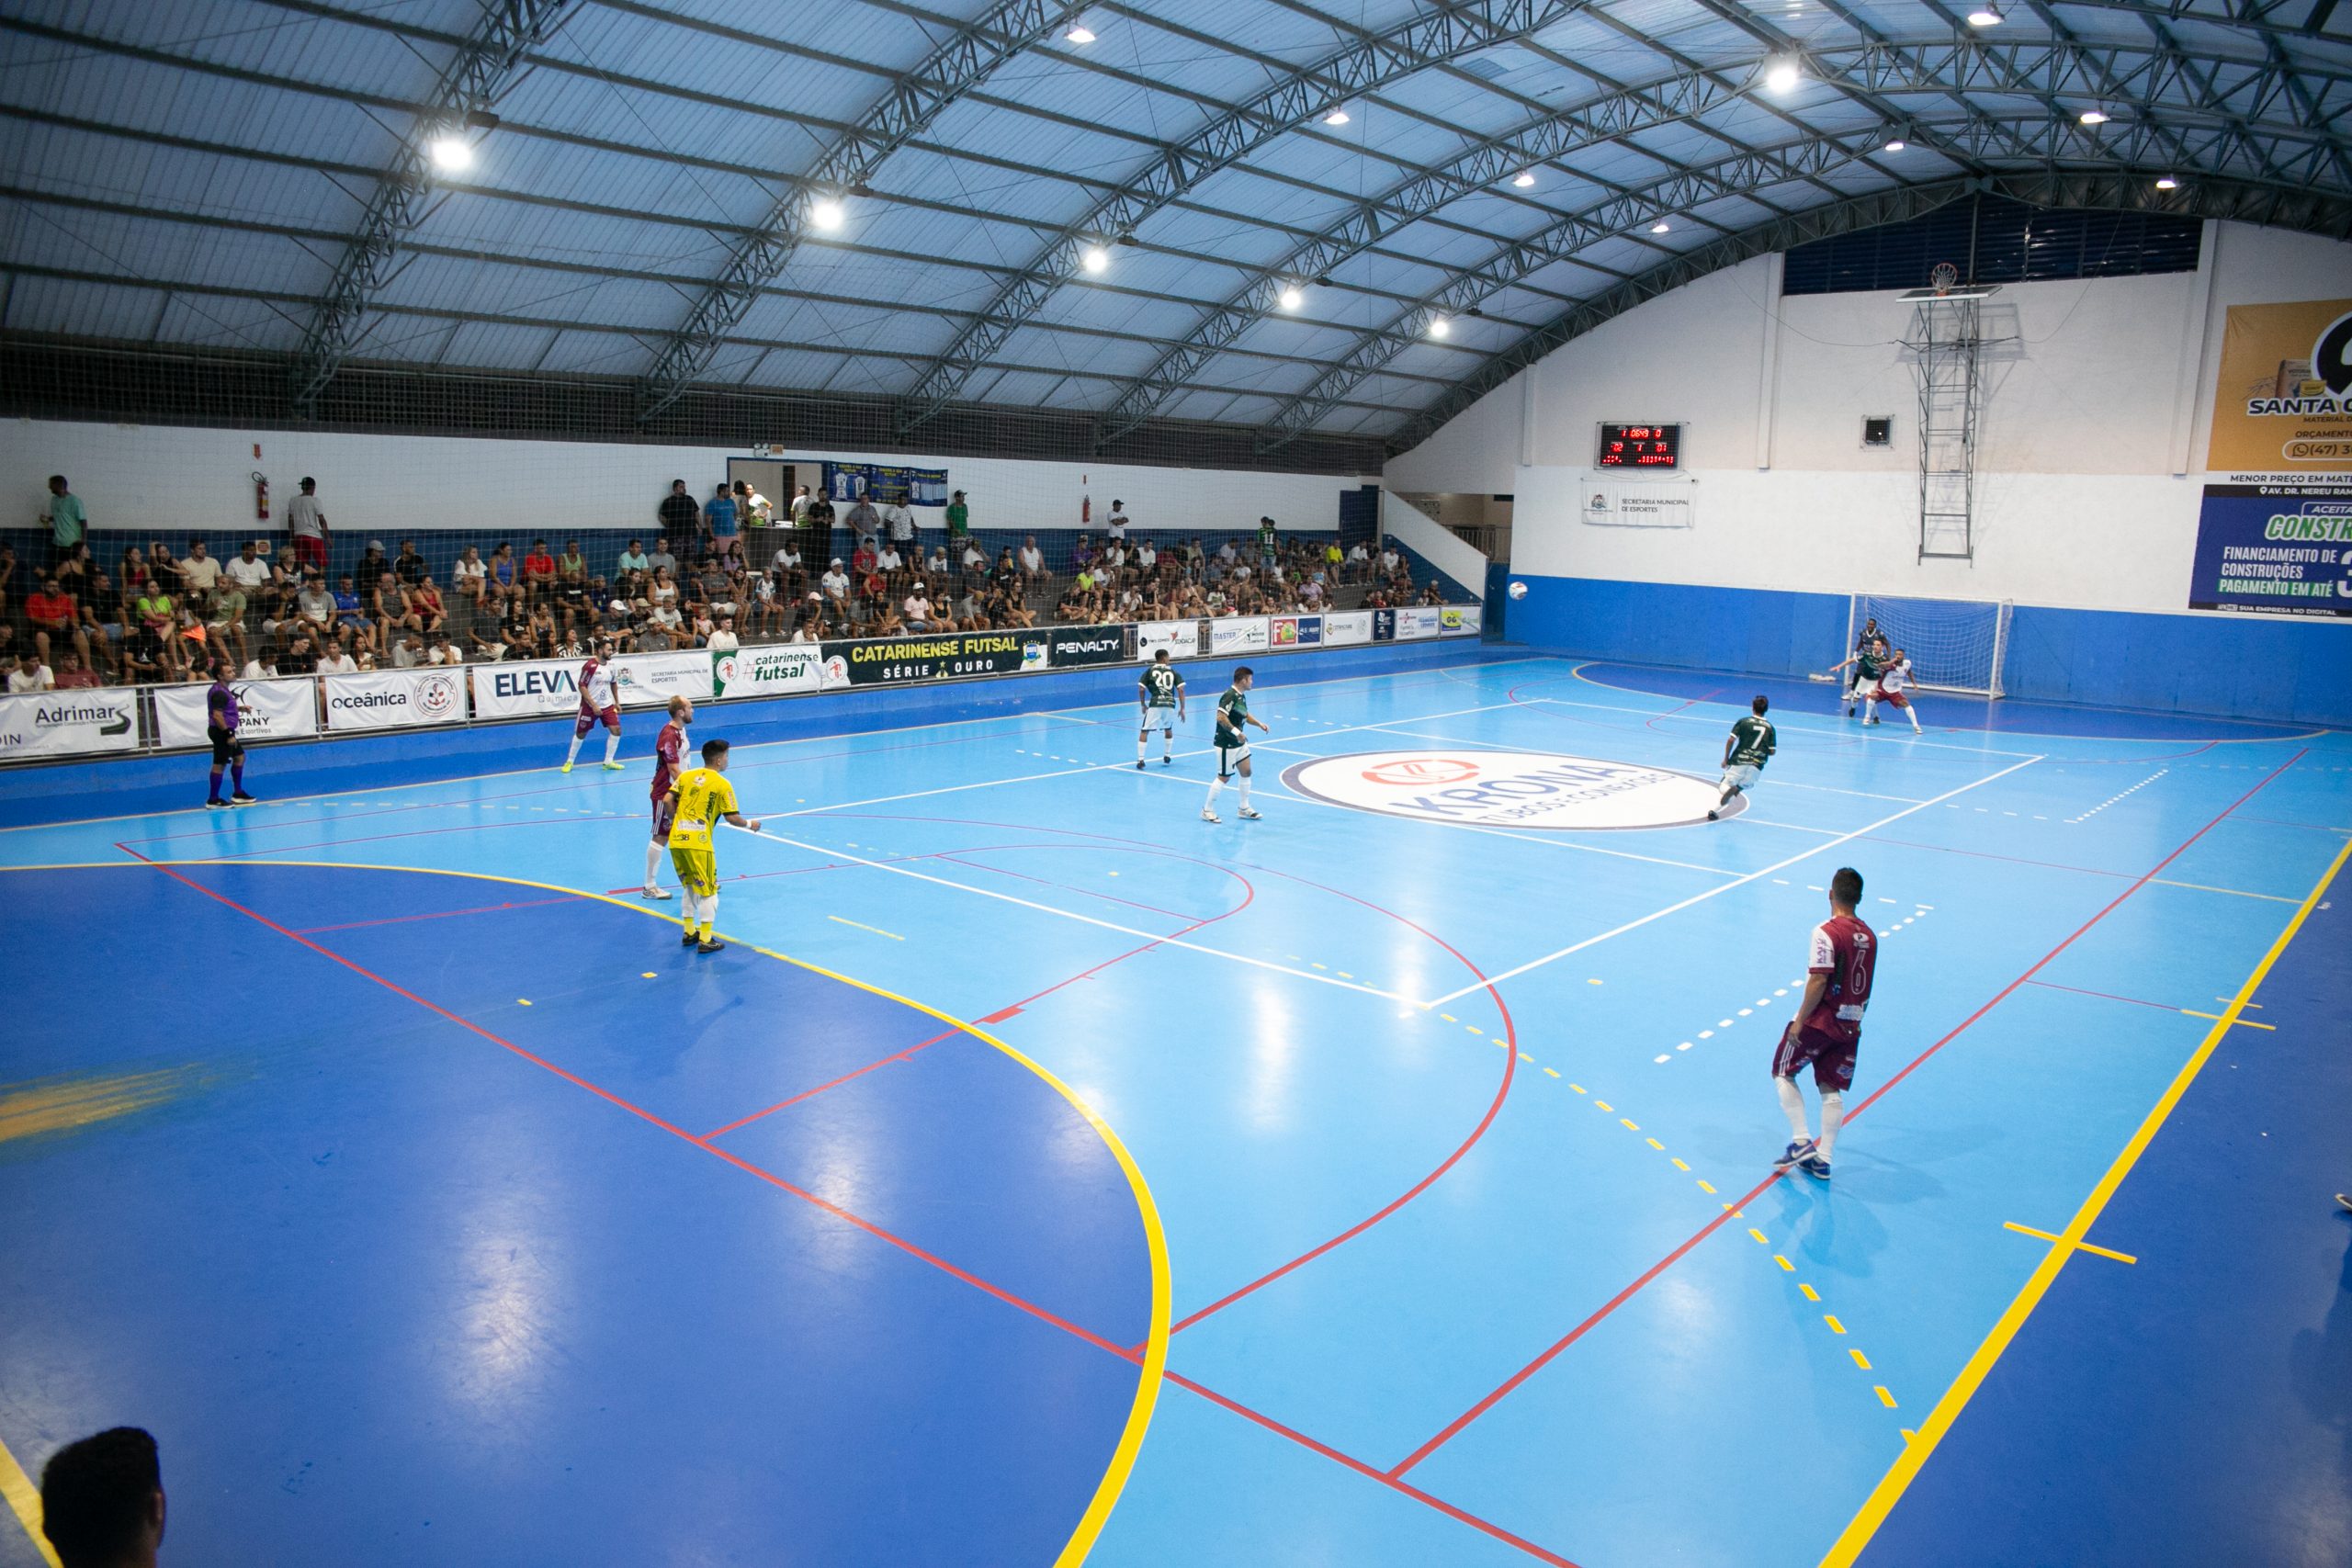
[266,710]
[890,661]
[2282,397]
[2274,549]
[69,723]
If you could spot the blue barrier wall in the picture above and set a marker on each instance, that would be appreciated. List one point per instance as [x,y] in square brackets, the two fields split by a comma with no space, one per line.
[66,790]
[2230,666]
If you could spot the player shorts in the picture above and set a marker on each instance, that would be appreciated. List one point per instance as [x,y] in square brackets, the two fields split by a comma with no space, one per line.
[1895,699]
[1230,758]
[1158,718]
[226,747]
[589,718]
[1832,1059]
[309,551]
[665,808]
[1739,775]
[697,870]
[1867,689]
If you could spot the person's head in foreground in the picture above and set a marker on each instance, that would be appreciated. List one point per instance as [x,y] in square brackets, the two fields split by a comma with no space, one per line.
[714,755]
[101,1501]
[1760,707]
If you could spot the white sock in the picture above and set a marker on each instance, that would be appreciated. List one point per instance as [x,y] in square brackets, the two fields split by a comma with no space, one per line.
[1245,792]
[1914,719]
[612,744]
[1833,1115]
[653,865]
[1168,743]
[1792,1106]
[573,755]
[1216,785]
[1870,707]
[1141,737]
[709,915]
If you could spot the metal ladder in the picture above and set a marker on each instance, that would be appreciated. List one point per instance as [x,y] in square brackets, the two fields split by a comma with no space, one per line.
[1946,344]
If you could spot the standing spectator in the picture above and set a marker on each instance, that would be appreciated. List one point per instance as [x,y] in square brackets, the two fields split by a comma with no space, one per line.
[306,525]
[862,519]
[720,523]
[679,515]
[409,566]
[1266,540]
[959,523]
[68,524]
[753,510]
[899,522]
[801,506]
[1118,522]
[101,1501]
[820,524]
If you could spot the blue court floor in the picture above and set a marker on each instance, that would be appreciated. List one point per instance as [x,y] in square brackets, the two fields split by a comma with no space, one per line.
[1047,1174]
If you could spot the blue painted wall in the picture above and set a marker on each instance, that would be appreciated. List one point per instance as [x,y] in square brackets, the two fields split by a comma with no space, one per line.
[2244,667]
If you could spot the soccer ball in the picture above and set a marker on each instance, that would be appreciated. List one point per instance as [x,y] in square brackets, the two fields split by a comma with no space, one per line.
[1518,591]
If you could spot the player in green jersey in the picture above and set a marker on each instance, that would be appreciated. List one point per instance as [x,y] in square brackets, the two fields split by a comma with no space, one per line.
[1869,657]
[1233,719]
[1747,748]
[1161,689]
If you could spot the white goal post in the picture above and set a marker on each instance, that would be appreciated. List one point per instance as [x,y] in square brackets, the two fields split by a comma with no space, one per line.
[1954,645]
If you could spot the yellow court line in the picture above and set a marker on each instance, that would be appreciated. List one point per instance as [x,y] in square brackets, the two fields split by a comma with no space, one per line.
[2086,1246]
[861,925]
[1890,1488]
[1155,1356]
[24,1500]
[2242,1022]
[2233,892]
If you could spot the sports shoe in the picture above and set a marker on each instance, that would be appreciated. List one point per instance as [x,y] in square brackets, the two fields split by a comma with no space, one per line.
[714,945]
[565,769]
[1138,764]
[614,767]
[654,891]
[1714,817]
[1869,721]
[241,798]
[1208,816]
[1798,1149]
[1167,758]
[692,937]
[216,806]
[1815,1166]
[1251,814]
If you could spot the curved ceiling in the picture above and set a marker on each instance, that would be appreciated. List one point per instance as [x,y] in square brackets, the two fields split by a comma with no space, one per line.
[1343,220]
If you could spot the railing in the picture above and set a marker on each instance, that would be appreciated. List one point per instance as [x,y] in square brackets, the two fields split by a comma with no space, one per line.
[109,720]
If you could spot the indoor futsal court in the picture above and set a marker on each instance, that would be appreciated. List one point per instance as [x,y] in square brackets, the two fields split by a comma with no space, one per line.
[1176,784]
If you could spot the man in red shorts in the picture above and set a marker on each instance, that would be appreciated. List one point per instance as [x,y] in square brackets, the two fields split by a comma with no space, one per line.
[307,525]
[1828,1029]
[669,749]
[600,703]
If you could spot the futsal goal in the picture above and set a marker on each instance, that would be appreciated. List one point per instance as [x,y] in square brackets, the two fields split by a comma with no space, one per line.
[1954,645]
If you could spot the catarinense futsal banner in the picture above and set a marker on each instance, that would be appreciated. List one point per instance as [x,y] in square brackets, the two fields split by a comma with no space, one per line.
[770,671]
[2274,549]
[2282,400]
[266,710]
[890,661]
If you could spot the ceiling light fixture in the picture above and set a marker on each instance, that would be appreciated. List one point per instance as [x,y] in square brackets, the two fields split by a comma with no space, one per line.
[1094,258]
[1896,144]
[1290,298]
[1986,16]
[1337,117]
[2093,117]
[1526,178]
[451,153]
[1782,75]
[1661,227]
[826,213]
[2168,181]
[1441,327]
[1080,33]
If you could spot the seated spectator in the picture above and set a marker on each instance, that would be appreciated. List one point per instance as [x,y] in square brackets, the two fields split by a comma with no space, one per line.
[262,666]
[572,567]
[835,582]
[1147,558]
[654,637]
[503,587]
[1008,576]
[787,569]
[337,658]
[74,675]
[226,623]
[349,616]
[31,674]
[101,1501]
[810,627]
[719,590]
[1033,562]
[633,566]
[1390,560]
[659,559]
[443,652]
[918,609]
[199,573]
[469,578]
[724,640]
[889,563]
[862,559]
[975,559]
[1432,594]
[372,564]
[315,607]
[491,647]
[539,572]
[1083,553]
[409,566]
[408,651]
[882,618]
[934,565]
[56,621]
[391,608]
[301,655]
[426,609]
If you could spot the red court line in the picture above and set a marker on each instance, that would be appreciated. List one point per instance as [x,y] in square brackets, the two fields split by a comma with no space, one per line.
[1454,1428]
[836,1083]
[2104,995]
[957,856]
[439,914]
[1986,854]
[837,1212]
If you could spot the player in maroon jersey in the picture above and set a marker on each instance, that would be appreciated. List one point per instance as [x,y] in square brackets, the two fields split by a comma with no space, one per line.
[669,747]
[1828,1029]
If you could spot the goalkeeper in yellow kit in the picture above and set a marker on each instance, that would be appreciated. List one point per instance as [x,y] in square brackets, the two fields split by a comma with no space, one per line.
[701,799]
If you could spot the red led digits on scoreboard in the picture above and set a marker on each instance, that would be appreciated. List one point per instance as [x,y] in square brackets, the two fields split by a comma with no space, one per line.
[1640,447]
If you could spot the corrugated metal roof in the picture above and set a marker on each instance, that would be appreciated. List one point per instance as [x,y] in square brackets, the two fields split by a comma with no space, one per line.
[192,172]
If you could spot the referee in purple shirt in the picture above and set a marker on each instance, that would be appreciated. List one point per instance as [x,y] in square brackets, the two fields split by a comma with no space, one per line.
[221,721]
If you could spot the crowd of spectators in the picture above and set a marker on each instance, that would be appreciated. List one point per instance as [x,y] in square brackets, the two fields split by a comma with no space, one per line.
[273,608]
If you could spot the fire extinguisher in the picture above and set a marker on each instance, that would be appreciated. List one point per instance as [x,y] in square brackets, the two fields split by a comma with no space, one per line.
[261,495]
[1085,503]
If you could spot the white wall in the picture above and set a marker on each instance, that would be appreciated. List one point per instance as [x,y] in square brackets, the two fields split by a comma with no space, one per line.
[164,478]
[2077,497]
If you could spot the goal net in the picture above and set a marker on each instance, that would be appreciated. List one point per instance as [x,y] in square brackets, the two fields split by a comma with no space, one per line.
[1954,645]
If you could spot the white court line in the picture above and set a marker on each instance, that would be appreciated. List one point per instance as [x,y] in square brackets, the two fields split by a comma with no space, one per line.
[1083,920]
[1712,892]
[1833,726]
[1777,782]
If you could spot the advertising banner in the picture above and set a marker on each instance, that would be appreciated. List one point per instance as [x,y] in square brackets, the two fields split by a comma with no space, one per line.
[883,483]
[646,678]
[2282,398]
[266,710]
[1628,504]
[1383,626]
[2274,549]
[1239,633]
[1297,631]
[67,724]
[772,670]
[390,699]
[889,661]
[525,688]
[1347,627]
[1072,646]
[1419,620]
[1461,620]
[1180,638]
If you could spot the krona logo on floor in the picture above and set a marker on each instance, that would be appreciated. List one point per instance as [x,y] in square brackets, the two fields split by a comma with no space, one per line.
[1545,789]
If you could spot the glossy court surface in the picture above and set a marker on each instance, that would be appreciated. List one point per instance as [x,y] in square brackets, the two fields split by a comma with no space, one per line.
[1046,1173]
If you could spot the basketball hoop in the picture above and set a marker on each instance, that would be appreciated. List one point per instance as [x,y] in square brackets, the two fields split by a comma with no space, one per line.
[1943,278]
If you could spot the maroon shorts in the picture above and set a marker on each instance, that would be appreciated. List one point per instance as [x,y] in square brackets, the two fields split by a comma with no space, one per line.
[309,551]
[589,718]
[1894,698]
[1832,1059]
[664,808]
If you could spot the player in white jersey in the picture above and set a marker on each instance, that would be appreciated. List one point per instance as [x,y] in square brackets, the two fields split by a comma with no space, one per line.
[669,759]
[600,703]
[1161,692]
[1894,688]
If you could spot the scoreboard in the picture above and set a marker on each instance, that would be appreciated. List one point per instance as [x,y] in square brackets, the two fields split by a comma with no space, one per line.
[1640,447]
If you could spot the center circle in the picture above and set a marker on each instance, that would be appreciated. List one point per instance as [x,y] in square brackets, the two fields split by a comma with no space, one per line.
[1547,790]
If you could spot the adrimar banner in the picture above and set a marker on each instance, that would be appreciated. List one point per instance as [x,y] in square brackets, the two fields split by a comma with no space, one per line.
[2274,549]
[2282,401]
